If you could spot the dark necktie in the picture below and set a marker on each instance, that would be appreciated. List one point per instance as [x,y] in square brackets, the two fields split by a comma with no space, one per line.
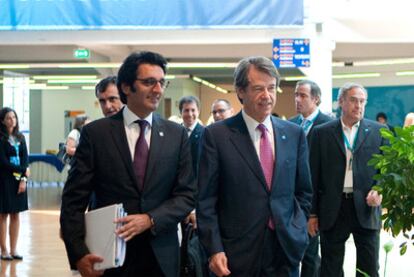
[267,163]
[141,154]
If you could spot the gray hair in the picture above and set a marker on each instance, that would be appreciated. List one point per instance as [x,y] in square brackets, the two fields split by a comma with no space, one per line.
[314,89]
[343,91]
[260,63]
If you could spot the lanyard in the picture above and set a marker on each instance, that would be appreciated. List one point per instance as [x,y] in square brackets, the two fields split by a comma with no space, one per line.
[346,141]
[348,146]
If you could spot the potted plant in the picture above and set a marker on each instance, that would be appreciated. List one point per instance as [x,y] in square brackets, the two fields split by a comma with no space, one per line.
[395,182]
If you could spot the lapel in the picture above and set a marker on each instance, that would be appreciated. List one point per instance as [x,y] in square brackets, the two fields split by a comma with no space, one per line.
[240,138]
[281,142]
[363,132]
[195,134]
[119,136]
[337,133]
[156,146]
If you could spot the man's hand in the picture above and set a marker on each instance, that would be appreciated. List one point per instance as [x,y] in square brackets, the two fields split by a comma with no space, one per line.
[218,264]
[313,226]
[22,187]
[133,225]
[191,218]
[85,266]
[373,198]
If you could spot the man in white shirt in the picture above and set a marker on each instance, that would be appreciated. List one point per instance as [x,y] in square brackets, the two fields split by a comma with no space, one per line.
[344,202]
[140,160]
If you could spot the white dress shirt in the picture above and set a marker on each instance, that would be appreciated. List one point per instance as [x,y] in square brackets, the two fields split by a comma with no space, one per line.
[255,133]
[132,129]
[350,134]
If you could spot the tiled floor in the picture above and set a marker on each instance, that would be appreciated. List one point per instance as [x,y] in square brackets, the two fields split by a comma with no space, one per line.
[44,253]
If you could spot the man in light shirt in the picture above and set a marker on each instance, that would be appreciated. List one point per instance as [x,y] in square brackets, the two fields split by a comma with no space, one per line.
[140,160]
[307,100]
[344,202]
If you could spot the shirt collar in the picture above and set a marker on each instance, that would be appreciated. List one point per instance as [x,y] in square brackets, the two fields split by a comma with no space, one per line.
[312,116]
[130,117]
[253,123]
[355,126]
[192,127]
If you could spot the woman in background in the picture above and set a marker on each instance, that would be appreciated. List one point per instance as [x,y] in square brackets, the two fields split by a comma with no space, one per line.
[13,179]
[72,140]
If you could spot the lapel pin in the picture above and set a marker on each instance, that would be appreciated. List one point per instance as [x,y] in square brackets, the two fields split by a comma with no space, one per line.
[366,130]
[283,137]
[161,134]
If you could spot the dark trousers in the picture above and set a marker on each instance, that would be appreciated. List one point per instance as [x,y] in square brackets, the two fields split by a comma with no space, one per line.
[333,244]
[140,260]
[311,261]
[274,261]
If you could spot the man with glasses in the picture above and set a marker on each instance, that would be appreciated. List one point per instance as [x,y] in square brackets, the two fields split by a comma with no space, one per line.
[221,109]
[343,200]
[140,160]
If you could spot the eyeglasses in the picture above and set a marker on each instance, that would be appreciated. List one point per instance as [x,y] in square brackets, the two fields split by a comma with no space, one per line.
[219,111]
[152,82]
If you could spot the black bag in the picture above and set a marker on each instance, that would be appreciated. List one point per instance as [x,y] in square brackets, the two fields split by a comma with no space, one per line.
[62,155]
[194,261]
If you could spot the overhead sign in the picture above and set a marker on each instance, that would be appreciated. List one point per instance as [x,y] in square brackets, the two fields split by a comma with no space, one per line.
[81,54]
[291,53]
[160,14]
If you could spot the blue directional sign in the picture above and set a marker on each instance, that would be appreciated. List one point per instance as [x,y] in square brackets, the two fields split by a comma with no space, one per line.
[291,53]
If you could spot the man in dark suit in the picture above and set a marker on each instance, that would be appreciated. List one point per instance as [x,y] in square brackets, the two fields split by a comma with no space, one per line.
[307,100]
[254,183]
[108,96]
[137,159]
[190,110]
[344,202]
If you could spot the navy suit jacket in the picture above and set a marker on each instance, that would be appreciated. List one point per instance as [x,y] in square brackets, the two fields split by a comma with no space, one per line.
[103,165]
[328,165]
[234,203]
[195,142]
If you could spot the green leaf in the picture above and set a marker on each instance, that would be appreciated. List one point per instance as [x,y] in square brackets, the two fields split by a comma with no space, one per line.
[362,272]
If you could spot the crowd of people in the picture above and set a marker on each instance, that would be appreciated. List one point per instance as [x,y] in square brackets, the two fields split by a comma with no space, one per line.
[263,193]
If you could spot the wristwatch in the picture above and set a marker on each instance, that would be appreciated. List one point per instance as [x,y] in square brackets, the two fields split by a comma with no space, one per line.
[23,179]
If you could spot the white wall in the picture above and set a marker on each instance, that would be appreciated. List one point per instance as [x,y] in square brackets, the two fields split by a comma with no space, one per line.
[54,103]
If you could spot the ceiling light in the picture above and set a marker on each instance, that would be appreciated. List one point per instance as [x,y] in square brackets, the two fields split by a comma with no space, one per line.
[404,73]
[294,78]
[87,87]
[208,84]
[72,81]
[61,77]
[356,75]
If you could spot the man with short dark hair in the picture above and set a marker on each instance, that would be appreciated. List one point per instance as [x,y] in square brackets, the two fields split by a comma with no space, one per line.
[140,160]
[307,100]
[221,109]
[108,96]
[190,110]
[254,183]
[344,202]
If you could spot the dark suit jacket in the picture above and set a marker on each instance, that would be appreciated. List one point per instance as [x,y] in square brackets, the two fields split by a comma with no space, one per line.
[320,119]
[195,142]
[328,164]
[103,165]
[234,204]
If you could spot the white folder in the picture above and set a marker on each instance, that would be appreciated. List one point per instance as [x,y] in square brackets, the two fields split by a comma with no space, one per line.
[101,238]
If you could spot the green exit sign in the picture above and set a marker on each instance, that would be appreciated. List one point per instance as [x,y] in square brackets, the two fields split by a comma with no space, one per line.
[81,54]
